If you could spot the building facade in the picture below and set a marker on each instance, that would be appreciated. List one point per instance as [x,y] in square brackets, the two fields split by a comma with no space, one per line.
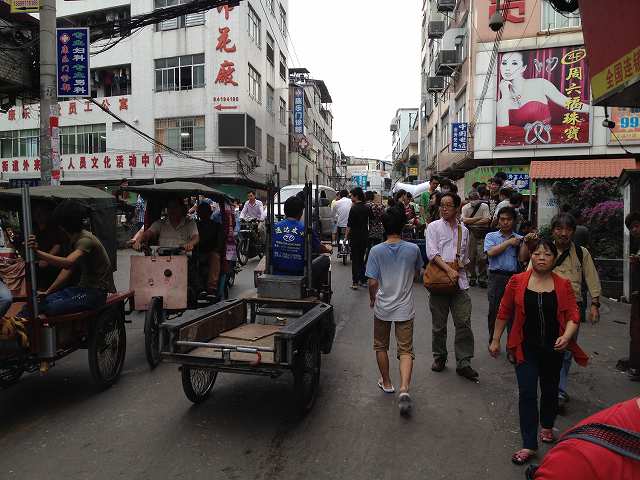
[522,94]
[404,138]
[369,174]
[213,86]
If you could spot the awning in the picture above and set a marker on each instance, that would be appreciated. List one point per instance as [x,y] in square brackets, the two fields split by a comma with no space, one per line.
[596,168]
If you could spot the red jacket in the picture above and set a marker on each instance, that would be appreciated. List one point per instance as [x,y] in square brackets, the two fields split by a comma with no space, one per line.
[512,307]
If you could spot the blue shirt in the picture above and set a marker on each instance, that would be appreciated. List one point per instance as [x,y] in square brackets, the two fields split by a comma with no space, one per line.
[394,265]
[507,261]
[288,247]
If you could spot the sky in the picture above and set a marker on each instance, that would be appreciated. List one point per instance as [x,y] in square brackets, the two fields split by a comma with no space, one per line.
[368,54]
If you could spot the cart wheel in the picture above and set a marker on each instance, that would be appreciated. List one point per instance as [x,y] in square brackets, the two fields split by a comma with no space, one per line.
[10,376]
[306,374]
[198,382]
[107,346]
[153,318]
[243,247]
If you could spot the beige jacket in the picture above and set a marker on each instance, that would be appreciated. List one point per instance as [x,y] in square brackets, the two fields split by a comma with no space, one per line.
[572,270]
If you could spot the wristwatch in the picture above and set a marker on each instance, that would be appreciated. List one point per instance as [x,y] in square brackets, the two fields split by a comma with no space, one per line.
[596,304]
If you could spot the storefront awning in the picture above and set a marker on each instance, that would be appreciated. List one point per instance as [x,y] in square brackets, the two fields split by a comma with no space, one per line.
[596,168]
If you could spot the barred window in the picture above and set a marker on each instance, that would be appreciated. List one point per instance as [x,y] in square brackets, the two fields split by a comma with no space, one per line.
[254,26]
[255,84]
[271,146]
[183,21]
[182,133]
[83,139]
[179,73]
[20,143]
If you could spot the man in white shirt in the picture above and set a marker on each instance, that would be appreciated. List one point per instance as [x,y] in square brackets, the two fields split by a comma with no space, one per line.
[341,211]
[253,208]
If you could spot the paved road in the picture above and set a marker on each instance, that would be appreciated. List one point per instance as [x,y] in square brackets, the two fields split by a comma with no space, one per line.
[57,427]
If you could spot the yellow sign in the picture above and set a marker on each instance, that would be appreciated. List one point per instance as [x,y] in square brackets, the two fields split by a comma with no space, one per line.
[627,122]
[622,72]
[25,6]
[413,171]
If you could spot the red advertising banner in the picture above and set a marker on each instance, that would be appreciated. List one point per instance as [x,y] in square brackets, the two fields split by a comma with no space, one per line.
[543,98]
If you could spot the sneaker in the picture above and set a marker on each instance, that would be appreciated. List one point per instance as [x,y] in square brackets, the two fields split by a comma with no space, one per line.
[468,373]
[404,404]
[438,364]
[354,286]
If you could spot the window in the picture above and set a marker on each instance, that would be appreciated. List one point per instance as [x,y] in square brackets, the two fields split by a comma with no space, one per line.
[283,66]
[461,108]
[283,156]
[429,145]
[255,84]
[270,99]
[254,27]
[185,133]
[258,145]
[271,146]
[20,143]
[111,81]
[180,73]
[283,112]
[189,20]
[283,21]
[553,20]
[444,130]
[271,56]
[83,139]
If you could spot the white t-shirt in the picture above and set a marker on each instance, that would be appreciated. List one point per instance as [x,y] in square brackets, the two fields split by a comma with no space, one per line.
[341,211]
[483,210]
[501,205]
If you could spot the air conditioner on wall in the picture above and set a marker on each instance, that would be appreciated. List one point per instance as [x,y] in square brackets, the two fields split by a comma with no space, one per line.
[447,62]
[435,84]
[446,5]
[435,29]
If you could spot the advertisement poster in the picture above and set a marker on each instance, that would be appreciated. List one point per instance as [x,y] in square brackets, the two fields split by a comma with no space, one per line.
[72,60]
[518,175]
[543,98]
[25,6]
[627,122]
[298,111]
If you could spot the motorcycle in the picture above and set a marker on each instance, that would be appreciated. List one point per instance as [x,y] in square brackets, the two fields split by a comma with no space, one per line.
[249,242]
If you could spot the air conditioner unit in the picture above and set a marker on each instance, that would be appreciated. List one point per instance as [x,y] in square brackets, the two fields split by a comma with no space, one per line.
[435,29]
[446,5]
[435,84]
[447,62]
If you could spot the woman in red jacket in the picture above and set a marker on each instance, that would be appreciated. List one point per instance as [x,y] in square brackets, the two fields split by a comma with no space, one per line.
[545,318]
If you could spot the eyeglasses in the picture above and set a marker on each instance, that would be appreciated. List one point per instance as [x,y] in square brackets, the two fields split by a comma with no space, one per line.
[442,205]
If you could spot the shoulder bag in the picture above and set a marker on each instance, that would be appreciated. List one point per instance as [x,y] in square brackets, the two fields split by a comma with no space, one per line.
[436,279]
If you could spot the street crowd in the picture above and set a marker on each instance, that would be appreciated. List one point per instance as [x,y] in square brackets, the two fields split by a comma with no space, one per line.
[539,289]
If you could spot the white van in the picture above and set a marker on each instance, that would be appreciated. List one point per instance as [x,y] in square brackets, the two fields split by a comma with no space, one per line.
[326,216]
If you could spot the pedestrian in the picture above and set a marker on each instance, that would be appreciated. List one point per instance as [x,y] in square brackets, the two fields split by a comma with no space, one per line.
[425,199]
[376,229]
[390,269]
[341,214]
[505,250]
[447,242]
[505,201]
[475,216]
[581,236]
[544,312]
[494,186]
[592,458]
[358,235]
[632,222]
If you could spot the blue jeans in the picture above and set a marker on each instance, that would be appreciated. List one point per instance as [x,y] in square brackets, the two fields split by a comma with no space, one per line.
[568,356]
[72,300]
[5,299]
[539,366]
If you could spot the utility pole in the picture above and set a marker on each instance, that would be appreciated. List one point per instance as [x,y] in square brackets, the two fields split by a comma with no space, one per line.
[48,86]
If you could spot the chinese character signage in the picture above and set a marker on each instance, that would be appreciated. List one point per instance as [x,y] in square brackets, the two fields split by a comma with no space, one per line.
[627,127]
[226,77]
[298,111]
[72,55]
[513,11]
[459,137]
[543,98]
[25,6]
[517,175]
[359,181]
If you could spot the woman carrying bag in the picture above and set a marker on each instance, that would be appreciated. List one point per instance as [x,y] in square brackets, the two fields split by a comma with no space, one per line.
[545,318]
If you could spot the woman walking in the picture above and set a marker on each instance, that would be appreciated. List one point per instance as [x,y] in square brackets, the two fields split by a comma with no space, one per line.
[545,319]
[376,229]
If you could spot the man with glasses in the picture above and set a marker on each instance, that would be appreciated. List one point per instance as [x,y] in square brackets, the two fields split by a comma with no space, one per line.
[442,249]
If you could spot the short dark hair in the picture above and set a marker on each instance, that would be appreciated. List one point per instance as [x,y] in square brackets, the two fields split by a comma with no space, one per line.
[445,181]
[399,193]
[344,193]
[506,191]
[507,211]
[502,176]
[369,195]
[482,190]
[409,196]
[546,243]
[475,185]
[357,192]
[632,218]
[496,180]
[293,207]
[515,198]
[394,220]
[563,220]
[453,187]
[70,215]
[457,201]
[251,191]
[434,178]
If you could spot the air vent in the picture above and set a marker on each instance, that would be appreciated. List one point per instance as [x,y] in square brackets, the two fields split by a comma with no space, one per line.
[447,62]
[435,84]
[446,5]
[435,29]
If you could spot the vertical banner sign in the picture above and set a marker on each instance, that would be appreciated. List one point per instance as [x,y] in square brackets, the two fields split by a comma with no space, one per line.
[54,131]
[459,137]
[298,111]
[72,58]
[25,6]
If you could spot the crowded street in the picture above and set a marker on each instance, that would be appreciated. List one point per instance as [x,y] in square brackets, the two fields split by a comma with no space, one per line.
[144,427]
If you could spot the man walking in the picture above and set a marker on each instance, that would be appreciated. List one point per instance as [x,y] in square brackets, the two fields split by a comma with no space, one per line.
[505,250]
[358,235]
[442,247]
[425,200]
[341,211]
[391,268]
[475,216]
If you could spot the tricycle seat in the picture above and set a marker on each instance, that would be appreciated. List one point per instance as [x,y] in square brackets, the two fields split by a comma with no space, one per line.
[112,299]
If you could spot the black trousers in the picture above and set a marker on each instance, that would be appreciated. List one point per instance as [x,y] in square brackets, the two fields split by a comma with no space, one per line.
[495,292]
[371,242]
[358,252]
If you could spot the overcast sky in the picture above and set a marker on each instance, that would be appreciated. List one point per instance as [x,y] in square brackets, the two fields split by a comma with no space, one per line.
[368,54]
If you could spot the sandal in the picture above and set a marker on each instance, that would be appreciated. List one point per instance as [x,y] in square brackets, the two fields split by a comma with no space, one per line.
[523,456]
[547,436]
[391,389]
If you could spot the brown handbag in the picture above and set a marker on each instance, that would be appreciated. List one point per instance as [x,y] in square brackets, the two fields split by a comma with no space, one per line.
[436,279]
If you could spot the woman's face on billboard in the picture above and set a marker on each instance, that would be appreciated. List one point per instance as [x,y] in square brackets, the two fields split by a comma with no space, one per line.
[512,65]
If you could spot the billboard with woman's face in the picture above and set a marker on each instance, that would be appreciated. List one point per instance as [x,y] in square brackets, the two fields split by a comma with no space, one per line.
[543,98]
